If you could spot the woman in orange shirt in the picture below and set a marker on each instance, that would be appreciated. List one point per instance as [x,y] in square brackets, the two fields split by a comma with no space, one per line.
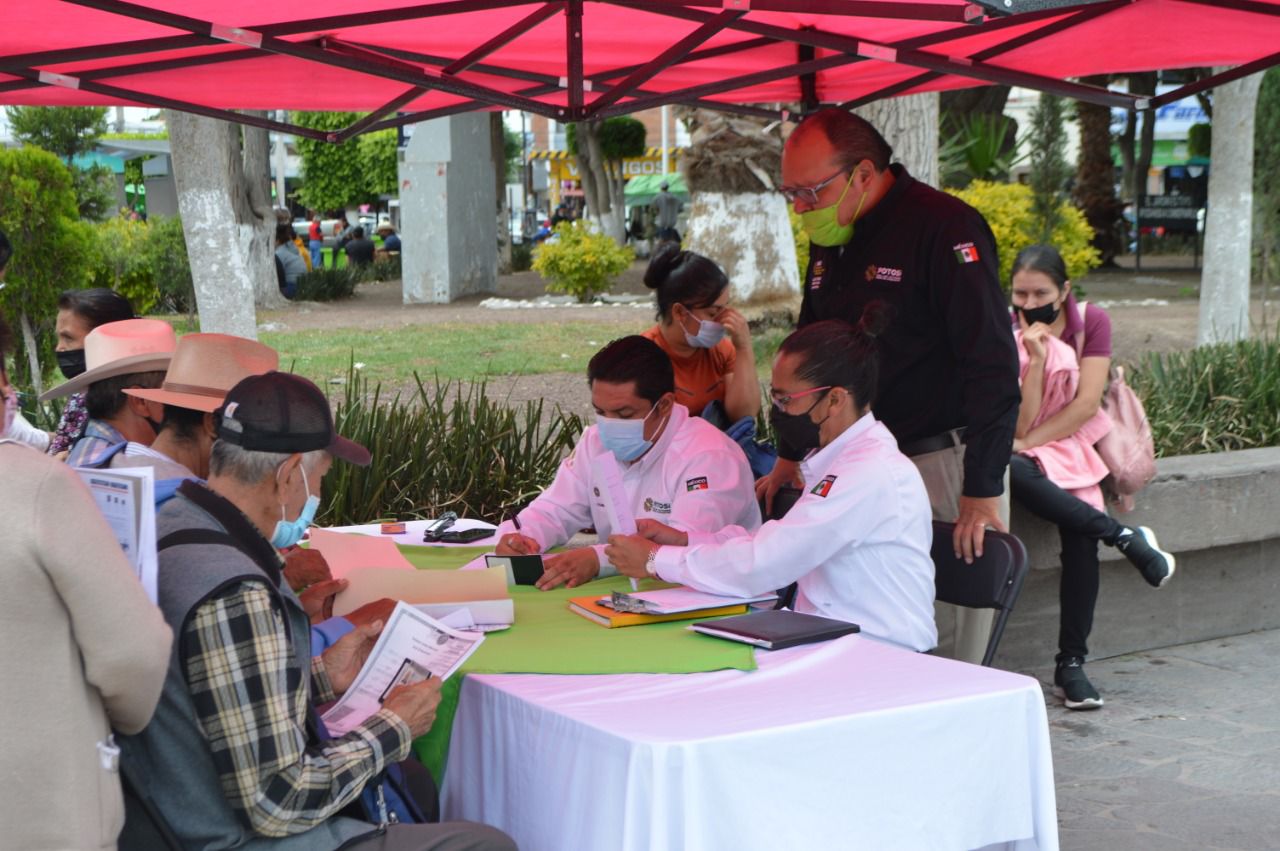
[708,342]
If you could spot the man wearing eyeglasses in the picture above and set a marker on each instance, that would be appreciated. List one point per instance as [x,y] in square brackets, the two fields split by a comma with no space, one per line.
[949,367]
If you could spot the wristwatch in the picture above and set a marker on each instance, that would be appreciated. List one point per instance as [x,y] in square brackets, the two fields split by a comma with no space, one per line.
[650,563]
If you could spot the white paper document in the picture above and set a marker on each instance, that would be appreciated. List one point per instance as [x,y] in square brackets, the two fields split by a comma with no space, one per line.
[413,647]
[127,499]
[606,476]
[668,601]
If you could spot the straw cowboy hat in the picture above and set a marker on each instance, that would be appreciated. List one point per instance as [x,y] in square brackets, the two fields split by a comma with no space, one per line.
[205,367]
[120,348]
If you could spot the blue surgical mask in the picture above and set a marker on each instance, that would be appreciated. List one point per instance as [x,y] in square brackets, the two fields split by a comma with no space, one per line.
[709,334]
[624,438]
[289,532]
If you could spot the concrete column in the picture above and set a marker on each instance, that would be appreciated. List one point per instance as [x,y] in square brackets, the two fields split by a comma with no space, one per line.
[447,206]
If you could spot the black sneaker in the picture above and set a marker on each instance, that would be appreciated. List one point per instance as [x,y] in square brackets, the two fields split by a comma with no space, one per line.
[1141,549]
[1070,684]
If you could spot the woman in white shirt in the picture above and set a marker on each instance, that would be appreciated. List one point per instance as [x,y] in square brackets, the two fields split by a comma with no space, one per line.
[857,542]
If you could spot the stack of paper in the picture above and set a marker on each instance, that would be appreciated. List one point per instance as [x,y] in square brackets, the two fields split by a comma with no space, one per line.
[376,569]
[668,604]
[667,601]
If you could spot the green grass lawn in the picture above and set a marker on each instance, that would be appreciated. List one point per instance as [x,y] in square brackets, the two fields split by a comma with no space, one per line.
[456,350]
[453,351]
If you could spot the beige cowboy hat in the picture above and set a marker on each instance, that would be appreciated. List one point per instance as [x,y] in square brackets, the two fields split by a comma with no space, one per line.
[205,367]
[120,348]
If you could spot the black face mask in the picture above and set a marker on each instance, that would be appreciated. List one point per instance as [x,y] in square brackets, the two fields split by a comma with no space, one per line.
[1045,313]
[71,363]
[796,431]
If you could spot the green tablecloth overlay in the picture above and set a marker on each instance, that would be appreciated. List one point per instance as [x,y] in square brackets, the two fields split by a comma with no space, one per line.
[547,638]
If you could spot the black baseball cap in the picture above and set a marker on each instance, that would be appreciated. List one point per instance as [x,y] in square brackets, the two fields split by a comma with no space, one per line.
[282,412]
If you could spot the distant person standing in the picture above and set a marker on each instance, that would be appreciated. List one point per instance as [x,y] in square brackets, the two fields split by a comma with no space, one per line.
[315,236]
[667,208]
[359,249]
[290,261]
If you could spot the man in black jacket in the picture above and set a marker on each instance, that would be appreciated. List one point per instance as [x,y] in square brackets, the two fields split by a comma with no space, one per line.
[949,366]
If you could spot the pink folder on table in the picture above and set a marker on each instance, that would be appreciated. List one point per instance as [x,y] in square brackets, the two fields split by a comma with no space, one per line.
[344,552]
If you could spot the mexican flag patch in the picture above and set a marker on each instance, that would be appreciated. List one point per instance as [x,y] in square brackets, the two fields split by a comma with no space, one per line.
[823,487]
[966,252]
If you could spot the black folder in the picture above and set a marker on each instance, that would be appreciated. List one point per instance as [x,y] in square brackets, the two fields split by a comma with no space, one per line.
[776,629]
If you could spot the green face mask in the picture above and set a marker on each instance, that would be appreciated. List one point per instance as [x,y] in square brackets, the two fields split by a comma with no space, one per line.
[823,225]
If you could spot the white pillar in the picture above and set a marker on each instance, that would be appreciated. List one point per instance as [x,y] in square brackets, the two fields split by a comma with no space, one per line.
[447,204]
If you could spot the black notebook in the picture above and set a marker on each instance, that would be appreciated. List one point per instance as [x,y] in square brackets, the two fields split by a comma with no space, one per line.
[776,628]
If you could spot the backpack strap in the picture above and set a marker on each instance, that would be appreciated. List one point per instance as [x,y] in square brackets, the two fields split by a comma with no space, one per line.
[1080,306]
[199,536]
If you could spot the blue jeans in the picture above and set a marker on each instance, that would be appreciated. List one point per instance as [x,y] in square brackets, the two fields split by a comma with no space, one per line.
[317,259]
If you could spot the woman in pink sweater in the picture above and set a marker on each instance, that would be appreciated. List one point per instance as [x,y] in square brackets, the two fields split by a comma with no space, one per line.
[1064,357]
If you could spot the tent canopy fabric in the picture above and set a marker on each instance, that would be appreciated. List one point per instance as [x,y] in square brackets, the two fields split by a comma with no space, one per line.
[409,60]
[642,189]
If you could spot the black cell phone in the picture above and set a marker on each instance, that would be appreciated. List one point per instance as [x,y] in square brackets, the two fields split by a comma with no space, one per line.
[436,529]
[466,536]
[525,570]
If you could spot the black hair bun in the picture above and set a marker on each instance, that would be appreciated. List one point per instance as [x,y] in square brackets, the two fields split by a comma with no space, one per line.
[664,260]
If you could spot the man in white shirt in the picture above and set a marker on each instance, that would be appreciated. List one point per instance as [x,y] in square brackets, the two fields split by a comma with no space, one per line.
[676,468]
[857,542]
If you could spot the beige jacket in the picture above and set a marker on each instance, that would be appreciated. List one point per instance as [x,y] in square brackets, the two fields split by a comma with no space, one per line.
[82,649]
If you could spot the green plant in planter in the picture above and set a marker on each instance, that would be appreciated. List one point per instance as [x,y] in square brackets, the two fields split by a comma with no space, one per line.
[327,284]
[443,447]
[580,262]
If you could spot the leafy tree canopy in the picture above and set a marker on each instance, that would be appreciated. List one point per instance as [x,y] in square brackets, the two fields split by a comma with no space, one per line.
[52,249]
[65,130]
[338,176]
[620,137]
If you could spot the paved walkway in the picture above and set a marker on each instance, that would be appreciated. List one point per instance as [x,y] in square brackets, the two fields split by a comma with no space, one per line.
[1185,754]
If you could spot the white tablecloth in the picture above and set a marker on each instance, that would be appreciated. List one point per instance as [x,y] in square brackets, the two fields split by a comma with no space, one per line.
[845,745]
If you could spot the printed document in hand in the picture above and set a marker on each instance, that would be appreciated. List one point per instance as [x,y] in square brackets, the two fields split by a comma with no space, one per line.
[127,499]
[606,477]
[413,647]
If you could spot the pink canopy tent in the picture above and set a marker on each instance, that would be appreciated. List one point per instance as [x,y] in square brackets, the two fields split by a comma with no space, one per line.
[403,61]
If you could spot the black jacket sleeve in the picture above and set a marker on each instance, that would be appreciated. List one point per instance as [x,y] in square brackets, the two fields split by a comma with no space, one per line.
[966,292]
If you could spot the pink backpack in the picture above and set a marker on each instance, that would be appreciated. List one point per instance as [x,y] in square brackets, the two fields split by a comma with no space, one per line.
[1127,450]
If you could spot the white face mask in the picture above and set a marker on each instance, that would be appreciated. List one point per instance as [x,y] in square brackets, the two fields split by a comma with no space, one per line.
[708,336]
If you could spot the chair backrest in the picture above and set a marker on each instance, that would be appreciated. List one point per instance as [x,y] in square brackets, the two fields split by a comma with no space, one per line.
[991,582]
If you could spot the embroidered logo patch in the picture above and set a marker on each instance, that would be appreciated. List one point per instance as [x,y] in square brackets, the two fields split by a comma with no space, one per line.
[883,273]
[698,484]
[966,252]
[815,280]
[652,505]
[823,487]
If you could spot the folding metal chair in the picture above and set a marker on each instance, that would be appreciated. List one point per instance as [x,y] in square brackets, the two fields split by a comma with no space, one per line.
[991,582]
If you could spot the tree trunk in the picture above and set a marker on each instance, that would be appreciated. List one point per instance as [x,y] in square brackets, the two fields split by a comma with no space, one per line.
[1095,177]
[1228,255]
[257,217]
[1144,84]
[590,170]
[206,162]
[910,125]
[1127,141]
[607,215]
[33,356]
